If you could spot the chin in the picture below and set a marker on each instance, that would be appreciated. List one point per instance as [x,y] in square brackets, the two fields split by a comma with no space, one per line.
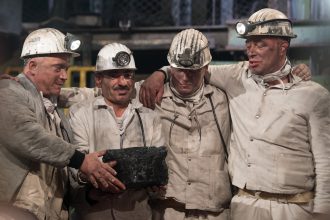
[256,72]
[185,93]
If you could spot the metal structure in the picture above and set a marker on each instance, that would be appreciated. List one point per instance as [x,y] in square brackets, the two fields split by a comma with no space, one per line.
[147,27]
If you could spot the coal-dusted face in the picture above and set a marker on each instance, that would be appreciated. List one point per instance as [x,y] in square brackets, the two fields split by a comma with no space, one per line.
[187,81]
[266,54]
[117,86]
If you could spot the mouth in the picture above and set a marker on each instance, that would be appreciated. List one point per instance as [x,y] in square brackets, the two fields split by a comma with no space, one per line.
[185,84]
[254,64]
[122,91]
[59,85]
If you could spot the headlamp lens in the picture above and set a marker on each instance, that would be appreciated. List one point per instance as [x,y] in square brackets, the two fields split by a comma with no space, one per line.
[241,28]
[75,44]
[71,42]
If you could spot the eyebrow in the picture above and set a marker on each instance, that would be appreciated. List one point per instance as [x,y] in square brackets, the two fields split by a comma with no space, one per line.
[60,65]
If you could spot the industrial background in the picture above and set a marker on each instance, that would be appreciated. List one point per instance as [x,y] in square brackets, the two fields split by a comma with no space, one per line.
[148,26]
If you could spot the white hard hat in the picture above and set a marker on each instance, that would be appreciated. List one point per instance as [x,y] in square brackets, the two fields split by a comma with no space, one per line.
[49,41]
[266,22]
[189,50]
[115,56]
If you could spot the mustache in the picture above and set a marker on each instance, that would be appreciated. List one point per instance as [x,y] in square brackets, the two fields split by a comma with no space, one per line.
[121,88]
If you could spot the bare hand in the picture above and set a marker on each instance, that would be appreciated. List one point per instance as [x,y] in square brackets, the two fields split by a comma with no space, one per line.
[303,71]
[152,90]
[101,175]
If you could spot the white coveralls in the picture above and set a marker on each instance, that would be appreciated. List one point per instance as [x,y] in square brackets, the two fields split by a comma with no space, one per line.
[95,128]
[280,144]
[199,186]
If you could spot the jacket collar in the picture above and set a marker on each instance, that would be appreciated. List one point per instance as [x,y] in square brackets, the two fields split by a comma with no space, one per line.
[293,80]
[168,93]
[27,84]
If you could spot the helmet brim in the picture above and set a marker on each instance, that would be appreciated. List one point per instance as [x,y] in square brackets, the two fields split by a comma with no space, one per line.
[266,35]
[71,53]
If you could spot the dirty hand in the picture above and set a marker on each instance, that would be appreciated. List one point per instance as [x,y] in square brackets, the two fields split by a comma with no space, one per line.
[101,175]
[303,71]
[152,90]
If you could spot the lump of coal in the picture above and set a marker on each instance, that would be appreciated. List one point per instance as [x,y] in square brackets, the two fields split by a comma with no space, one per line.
[139,167]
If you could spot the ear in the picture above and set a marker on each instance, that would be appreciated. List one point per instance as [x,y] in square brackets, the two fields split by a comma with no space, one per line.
[284,46]
[170,71]
[205,69]
[98,80]
[32,66]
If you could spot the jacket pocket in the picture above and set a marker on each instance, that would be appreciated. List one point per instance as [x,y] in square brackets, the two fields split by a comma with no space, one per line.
[294,171]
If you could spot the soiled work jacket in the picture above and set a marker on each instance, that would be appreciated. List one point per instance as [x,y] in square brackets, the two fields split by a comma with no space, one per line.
[198,175]
[280,140]
[95,128]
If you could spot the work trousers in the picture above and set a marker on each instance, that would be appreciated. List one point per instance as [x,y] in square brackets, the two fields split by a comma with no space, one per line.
[251,208]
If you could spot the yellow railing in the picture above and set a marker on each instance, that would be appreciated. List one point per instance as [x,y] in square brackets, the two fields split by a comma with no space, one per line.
[82,70]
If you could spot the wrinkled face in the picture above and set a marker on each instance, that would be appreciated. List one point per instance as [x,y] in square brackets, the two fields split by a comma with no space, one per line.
[48,73]
[117,86]
[186,81]
[265,54]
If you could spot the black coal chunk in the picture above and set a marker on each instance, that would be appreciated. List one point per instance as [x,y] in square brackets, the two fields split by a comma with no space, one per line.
[139,167]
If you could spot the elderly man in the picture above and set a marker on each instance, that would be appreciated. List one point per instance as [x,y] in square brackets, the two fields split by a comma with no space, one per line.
[113,120]
[34,137]
[279,153]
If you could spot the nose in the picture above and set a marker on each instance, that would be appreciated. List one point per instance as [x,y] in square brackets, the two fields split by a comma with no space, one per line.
[122,80]
[250,50]
[184,75]
[64,75]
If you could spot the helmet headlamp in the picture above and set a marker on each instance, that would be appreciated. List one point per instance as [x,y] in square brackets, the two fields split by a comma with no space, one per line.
[243,28]
[122,58]
[72,43]
[187,59]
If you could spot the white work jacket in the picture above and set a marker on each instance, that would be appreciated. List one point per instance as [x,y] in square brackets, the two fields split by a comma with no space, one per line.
[280,140]
[95,128]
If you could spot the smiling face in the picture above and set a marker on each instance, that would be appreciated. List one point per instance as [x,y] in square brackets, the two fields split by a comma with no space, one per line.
[117,86]
[48,73]
[266,54]
[187,81]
